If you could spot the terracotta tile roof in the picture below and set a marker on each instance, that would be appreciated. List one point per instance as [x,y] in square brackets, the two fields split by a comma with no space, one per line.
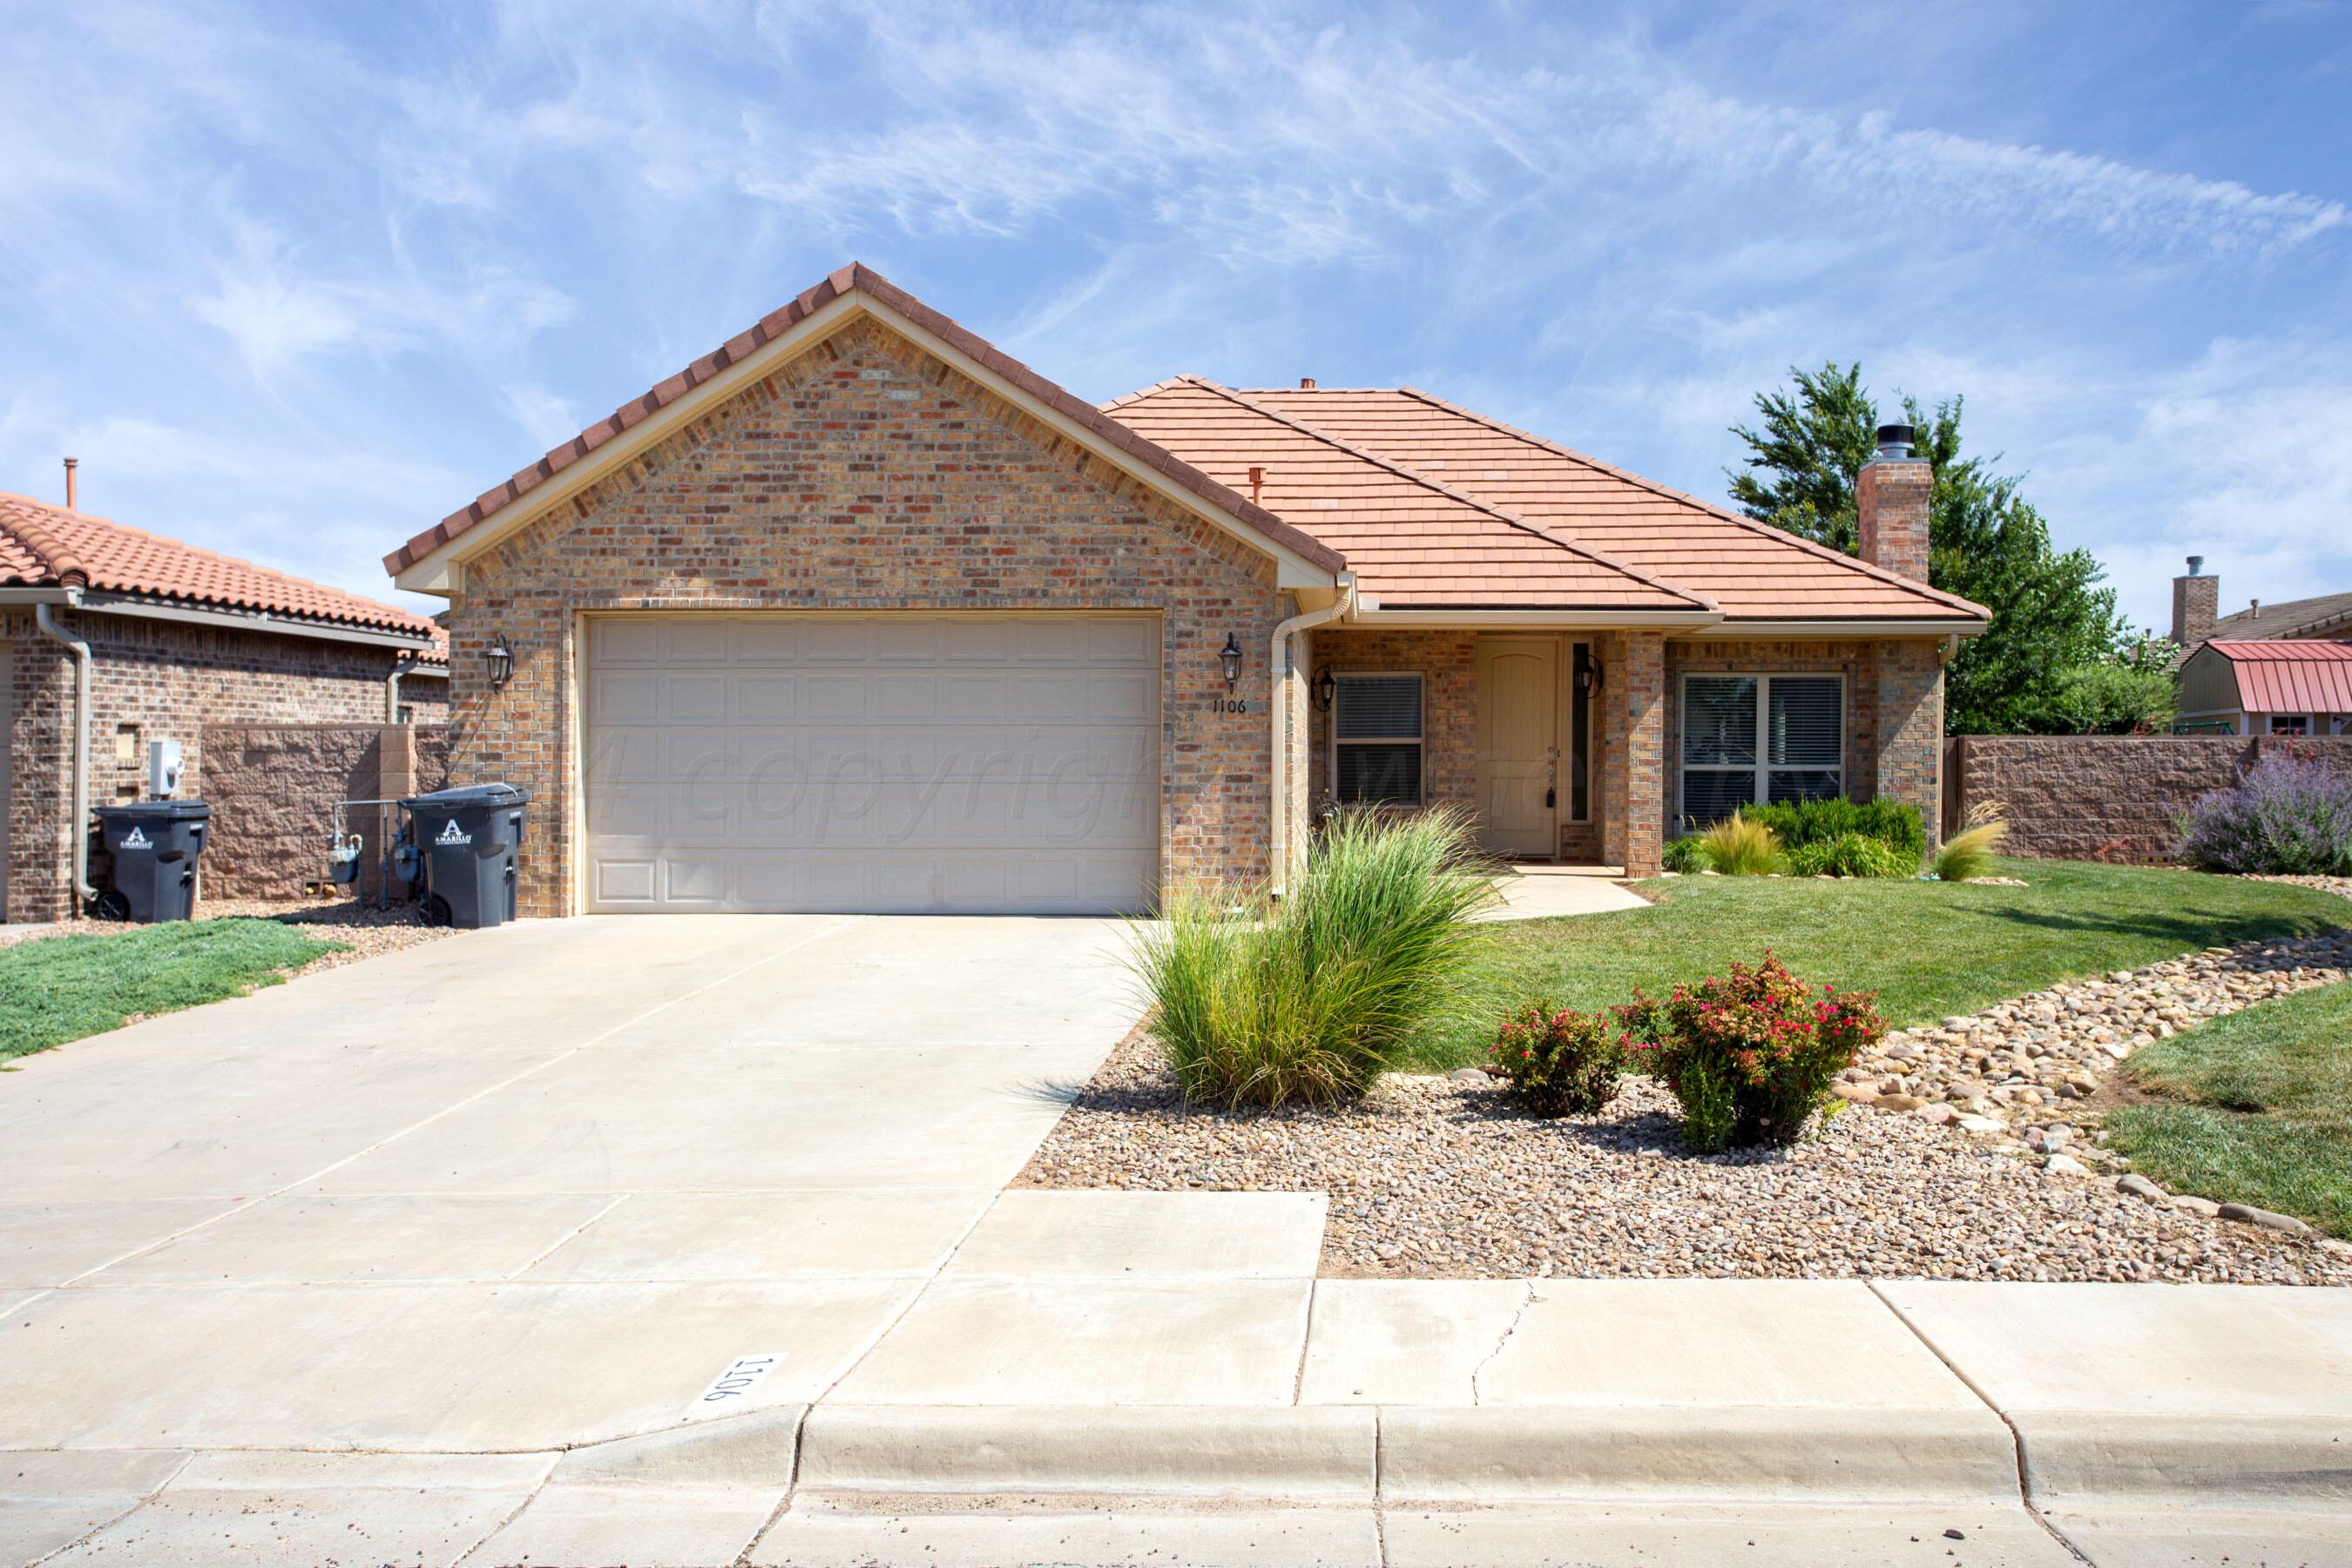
[858,278]
[44,546]
[2280,676]
[1751,570]
[1415,541]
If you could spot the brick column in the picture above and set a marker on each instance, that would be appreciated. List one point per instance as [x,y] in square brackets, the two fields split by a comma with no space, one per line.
[1633,753]
[1910,730]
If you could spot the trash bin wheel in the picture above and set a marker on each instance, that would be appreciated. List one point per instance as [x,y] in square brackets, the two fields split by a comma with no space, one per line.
[435,909]
[113,904]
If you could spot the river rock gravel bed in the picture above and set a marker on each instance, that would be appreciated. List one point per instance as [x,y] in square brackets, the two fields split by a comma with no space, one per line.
[2019,1067]
[1445,1178]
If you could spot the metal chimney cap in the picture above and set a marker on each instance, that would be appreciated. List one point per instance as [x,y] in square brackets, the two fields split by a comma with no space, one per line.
[2197,566]
[1897,441]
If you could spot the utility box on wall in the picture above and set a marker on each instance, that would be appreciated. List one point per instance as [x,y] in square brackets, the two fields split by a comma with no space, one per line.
[163,769]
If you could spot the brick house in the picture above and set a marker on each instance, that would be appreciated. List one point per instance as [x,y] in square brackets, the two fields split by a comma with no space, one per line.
[177,638]
[858,613]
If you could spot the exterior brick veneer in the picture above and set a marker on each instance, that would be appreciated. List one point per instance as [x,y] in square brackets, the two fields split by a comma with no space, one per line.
[2106,797]
[1891,507]
[1447,663]
[275,788]
[153,680]
[867,474]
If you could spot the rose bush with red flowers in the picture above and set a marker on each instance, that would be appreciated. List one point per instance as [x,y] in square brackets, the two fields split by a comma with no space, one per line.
[1557,1061]
[1750,1057]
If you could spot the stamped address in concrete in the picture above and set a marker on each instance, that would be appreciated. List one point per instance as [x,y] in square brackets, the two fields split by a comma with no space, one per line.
[730,1387]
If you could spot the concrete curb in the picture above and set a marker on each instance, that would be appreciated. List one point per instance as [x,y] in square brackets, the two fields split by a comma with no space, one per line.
[1325,1453]
[2072,1457]
[754,1449]
[1565,1451]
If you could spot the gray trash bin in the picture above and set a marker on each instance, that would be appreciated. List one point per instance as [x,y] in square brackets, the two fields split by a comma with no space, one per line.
[468,838]
[155,844]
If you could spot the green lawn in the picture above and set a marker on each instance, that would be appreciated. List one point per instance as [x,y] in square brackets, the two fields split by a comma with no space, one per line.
[2257,1109]
[61,989]
[1927,948]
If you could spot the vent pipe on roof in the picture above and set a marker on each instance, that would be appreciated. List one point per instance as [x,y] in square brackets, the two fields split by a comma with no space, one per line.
[1257,483]
[1306,383]
[71,464]
[2254,609]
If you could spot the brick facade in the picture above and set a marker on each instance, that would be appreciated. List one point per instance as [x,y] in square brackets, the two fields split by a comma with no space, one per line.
[153,680]
[1891,507]
[1447,663]
[869,475]
[276,787]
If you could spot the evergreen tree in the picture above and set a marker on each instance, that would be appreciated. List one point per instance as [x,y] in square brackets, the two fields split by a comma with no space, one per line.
[1986,543]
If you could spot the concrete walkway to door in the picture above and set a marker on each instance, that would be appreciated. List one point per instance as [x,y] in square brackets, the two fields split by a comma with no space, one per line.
[530,1188]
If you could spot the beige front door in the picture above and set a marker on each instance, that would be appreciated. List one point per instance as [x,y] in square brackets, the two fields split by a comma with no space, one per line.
[1517,698]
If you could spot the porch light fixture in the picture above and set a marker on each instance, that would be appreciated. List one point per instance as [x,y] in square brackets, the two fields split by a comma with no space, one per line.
[1327,686]
[501,659]
[1588,680]
[1229,656]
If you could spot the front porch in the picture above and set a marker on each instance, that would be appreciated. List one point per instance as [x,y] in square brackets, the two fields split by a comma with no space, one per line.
[1589,747]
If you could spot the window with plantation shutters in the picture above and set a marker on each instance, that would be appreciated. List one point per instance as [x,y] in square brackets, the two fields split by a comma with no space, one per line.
[1376,740]
[1756,738]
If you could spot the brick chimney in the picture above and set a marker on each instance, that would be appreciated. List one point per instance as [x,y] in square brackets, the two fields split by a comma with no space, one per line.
[2196,604]
[1891,502]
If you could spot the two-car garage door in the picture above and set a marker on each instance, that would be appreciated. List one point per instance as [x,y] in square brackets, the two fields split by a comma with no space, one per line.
[975,764]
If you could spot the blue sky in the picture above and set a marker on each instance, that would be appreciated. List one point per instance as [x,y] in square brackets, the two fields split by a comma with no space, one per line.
[296,280]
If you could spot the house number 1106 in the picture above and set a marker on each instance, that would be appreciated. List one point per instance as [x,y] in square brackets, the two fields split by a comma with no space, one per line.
[1229,705]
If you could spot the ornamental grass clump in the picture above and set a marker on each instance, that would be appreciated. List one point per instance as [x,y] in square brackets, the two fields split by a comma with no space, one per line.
[1967,855]
[1686,855]
[1309,998]
[1741,846]
[1557,1061]
[2285,817]
[1750,1057]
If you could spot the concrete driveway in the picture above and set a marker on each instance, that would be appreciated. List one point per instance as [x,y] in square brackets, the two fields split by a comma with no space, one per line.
[535,1187]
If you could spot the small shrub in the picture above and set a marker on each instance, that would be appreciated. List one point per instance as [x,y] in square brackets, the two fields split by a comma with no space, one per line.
[1741,846]
[1750,1057]
[1311,997]
[2285,817]
[1559,1062]
[1967,855]
[1687,855]
[1801,821]
[1851,855]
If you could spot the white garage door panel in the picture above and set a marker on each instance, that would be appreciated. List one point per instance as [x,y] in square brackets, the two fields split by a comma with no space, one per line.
[890,762]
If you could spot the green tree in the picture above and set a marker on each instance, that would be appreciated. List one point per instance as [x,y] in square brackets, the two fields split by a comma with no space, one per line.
[1986,543]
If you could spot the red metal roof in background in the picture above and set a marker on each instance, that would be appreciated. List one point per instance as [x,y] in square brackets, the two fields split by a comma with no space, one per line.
[2290,677]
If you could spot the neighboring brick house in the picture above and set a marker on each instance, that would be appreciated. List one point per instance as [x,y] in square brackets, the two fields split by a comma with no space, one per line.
[2197,618]
[858,613]
[178,638]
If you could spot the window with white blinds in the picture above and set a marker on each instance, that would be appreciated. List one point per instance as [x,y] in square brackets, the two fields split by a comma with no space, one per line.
[1759,738]
[1376,740]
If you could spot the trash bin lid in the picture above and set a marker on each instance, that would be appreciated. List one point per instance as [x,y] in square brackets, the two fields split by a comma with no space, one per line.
[153,810]
[492,795]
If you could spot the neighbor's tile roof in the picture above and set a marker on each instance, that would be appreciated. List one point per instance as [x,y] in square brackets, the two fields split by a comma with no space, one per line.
[2278,676]
[1753,571]
[858,277]
[44,546]
[2288,618]
[1415,540]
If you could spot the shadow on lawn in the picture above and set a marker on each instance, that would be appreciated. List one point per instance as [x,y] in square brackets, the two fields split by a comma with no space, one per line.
[2188,931]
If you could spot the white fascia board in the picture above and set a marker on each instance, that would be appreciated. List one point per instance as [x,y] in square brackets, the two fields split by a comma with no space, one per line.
[233,620]
[35,597]
[1486,620]
[1292,570]
[1857,628]
[441,571]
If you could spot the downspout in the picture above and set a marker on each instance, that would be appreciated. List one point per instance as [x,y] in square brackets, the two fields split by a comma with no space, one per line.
[400,667]
[1278,663]
[83,892]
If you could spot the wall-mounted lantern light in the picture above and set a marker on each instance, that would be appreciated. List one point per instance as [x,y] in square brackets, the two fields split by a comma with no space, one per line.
[501,659]
[1327,686]
[1588,680]
[1229,656]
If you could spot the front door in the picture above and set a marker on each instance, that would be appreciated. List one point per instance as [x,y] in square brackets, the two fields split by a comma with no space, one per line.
[1519,745]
